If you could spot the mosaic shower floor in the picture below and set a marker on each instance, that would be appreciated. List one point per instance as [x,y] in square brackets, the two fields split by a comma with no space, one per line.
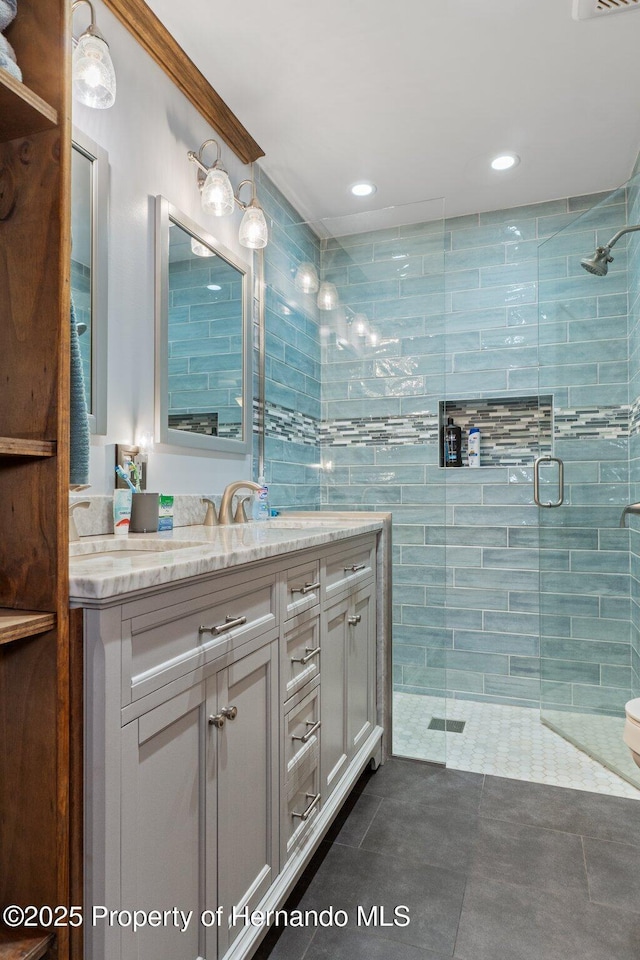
[509,742]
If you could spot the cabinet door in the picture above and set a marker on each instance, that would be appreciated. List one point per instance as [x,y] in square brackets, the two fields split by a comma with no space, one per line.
[361,673]
[246,768]
[164,825]
[333,696]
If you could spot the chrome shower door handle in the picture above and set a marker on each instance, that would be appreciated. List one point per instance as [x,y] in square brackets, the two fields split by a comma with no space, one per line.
[536,481]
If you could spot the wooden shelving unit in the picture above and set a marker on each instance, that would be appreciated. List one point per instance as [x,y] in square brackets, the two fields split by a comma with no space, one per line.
[18,624]
[18,945]
[12,447]
[37,674]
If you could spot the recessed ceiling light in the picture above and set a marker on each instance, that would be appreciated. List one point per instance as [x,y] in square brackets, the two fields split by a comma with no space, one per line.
[363,189]
[505,161]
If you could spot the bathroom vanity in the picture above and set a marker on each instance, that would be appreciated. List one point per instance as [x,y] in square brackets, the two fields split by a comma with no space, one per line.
[234,692]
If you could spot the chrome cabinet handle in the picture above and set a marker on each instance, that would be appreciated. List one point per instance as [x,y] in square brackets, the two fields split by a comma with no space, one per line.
[307,813]
[307,736]
[536,481]
[229,624]
[310,654]
[216,721]
[308,587]
[229,712]
[355,568]
[355,619]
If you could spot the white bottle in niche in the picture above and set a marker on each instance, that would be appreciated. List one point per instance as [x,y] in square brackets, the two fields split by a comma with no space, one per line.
[473,447]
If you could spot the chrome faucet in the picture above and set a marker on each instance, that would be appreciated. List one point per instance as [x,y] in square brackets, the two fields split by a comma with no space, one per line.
[225,515]
[73,506]
[632,508]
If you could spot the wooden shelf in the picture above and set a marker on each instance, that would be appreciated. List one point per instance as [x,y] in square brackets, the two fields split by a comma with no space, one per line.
[14,447]
[17,624]
[23,112]
[20,945]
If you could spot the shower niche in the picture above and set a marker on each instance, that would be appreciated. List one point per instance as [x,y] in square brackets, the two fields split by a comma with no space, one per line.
[513,430]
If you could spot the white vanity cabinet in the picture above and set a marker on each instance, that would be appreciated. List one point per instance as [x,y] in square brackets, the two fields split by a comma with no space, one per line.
[228,718]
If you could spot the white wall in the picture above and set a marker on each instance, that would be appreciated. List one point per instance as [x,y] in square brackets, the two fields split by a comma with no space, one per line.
[147,134]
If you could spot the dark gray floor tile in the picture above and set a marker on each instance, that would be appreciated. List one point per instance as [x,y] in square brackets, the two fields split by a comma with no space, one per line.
[557,808]
[416,782]
[395,777]
[423,834]
[612,869]
[352,828]
[335,944]
[513,922]
[351,877]
[519,853]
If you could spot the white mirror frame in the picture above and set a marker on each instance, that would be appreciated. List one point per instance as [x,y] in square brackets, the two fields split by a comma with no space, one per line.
[99,159]
[165,215]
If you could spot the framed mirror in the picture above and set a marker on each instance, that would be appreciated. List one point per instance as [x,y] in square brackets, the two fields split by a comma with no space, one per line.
[89,226]
[203,338]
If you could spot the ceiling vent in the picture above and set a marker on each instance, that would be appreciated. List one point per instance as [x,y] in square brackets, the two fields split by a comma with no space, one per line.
[587,9]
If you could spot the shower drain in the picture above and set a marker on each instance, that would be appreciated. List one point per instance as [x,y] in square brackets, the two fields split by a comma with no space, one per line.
[449,726]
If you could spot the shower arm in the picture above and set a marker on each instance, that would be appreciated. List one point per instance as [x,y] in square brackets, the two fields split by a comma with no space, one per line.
[619,234]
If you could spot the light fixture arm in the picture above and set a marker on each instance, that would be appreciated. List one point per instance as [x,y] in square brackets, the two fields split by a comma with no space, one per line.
[254,199]
[92,29]
[196,158]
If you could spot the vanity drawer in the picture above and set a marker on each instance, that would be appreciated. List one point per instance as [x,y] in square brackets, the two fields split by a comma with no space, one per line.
[300,811]
[349,567]
[161,646]
[302,588]
[300,661]
[301,748]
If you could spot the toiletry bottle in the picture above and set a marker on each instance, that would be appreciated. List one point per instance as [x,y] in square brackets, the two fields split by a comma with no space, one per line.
[260,509]
[452,444]
[473,447]
[122,500]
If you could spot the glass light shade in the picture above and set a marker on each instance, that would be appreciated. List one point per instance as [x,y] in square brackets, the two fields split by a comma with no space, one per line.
[217,193]
[327,296]
[201,249]
[253,231]
[307,278]
[94,79]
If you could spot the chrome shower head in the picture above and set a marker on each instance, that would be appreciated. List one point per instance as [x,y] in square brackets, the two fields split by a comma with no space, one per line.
[598,264]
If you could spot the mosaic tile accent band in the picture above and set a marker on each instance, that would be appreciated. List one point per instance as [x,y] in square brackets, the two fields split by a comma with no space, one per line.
[603,423]
[379,431]
[634,417]
[283,424]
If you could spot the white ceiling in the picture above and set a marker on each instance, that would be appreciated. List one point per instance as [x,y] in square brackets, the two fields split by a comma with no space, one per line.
[419,95]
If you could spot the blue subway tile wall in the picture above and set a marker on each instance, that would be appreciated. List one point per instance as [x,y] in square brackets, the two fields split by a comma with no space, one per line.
[476,312]
[293,357]
[81,296]
[633,257]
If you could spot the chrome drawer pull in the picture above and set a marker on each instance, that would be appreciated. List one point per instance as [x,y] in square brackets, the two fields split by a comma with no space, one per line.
[308,587]
[355,568]
[229,624]
[307,813]
[356,619]
[310,654]
[307,736]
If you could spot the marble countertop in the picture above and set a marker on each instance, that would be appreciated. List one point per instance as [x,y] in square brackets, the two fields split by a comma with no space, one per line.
[105,567]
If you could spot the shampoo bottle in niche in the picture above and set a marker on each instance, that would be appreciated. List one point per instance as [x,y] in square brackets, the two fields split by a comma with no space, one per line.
[452,444]
[473,447]
[260,509]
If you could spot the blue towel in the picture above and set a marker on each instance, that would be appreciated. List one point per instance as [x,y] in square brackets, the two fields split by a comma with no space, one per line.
[80,439]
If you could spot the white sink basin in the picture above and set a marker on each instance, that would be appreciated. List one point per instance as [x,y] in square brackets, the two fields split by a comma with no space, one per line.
[124,548]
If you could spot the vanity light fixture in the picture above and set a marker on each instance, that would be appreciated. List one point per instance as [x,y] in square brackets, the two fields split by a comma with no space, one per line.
[306,280]
[93,75]
[253,232]
[217,197]
[200,249]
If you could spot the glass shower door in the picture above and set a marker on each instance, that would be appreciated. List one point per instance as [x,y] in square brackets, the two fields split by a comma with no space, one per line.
[584,482]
